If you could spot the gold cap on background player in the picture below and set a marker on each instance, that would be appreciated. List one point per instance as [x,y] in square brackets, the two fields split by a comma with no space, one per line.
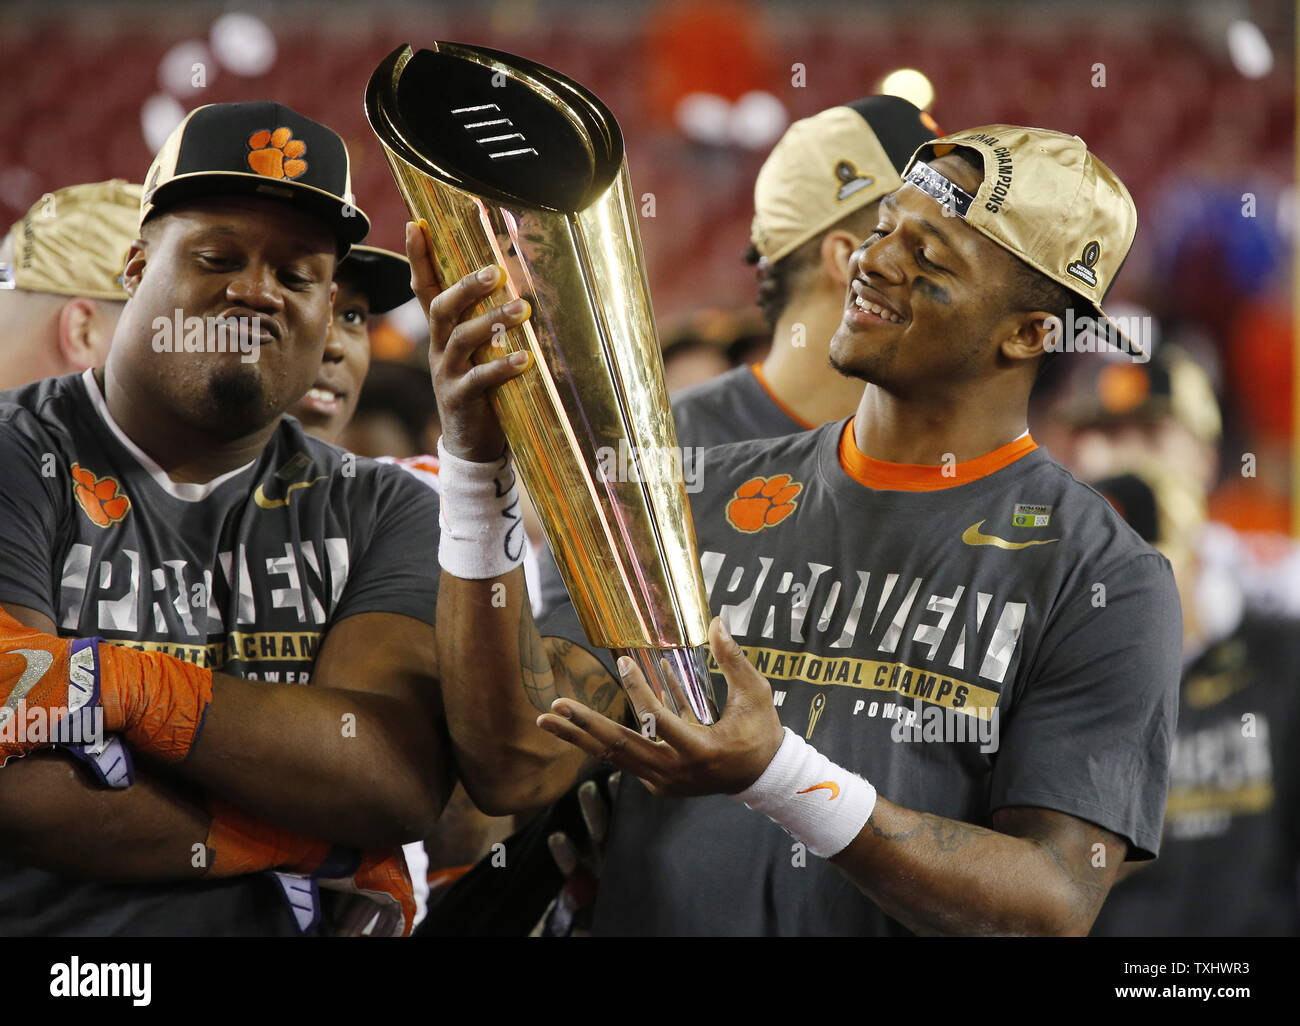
[1044,198]
[74,241]
[831,164]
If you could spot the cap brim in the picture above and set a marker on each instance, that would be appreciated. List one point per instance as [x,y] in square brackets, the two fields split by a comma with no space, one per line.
[1123,342]
[384,277]
[346,221]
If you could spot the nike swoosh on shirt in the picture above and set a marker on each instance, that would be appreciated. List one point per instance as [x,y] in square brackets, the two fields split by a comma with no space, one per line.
[38,663]
[973,536]
[260,498]
[827,785]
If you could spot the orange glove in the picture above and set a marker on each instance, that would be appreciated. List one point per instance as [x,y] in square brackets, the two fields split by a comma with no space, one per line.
[384,878]
[156,700]
[300,865]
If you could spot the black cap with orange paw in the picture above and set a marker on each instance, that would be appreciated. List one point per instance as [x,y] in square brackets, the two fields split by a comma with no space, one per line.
[259,149]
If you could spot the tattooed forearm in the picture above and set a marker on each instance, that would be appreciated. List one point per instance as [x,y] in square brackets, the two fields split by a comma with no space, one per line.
[1035,871]
[554,668]
[590,683]
[1087,886]
[535,667]
[947,834]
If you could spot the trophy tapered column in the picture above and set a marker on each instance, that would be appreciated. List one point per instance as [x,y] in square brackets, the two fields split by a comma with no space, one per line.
[512,163]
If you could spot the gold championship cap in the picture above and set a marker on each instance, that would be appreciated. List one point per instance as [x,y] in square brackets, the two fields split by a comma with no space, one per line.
[1046,199]
[74,241]
[831,164]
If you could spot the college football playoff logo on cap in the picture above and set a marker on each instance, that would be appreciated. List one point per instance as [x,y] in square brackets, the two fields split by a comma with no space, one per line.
[847,173]
[1083,267]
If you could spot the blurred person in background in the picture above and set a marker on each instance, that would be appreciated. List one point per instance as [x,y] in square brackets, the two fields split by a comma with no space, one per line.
[61,280]
[395,415]
[690,361]
[815,199]
[711,342]
[1146,435]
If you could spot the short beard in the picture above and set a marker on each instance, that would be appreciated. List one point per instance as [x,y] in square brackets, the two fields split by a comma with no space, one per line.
[870,373]
[237,398]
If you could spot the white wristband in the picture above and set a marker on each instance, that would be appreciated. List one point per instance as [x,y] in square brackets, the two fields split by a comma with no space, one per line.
[482,532]
[812,799]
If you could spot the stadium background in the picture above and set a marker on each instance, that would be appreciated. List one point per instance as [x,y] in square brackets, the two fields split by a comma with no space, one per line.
[1193,104]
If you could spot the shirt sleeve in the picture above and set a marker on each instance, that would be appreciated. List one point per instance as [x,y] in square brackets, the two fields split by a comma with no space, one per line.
[29,512]
[1092,732]
[397,569]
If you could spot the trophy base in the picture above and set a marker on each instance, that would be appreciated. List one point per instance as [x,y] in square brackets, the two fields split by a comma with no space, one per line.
[690,667]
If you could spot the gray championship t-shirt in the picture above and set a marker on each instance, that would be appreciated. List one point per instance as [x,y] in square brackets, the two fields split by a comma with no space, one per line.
[1230,857]
[1005,641]
[732,407]
[245,575]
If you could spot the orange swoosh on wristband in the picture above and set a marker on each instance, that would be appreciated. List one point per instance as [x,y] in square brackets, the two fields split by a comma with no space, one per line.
[828,785]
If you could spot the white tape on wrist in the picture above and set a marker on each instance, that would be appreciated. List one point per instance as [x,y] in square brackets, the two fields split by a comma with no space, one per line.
[812,799]
[482,532]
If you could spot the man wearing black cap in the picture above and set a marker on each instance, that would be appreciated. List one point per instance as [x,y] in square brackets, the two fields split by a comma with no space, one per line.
[370,281]
[943,612]
[177,560]
[815,198]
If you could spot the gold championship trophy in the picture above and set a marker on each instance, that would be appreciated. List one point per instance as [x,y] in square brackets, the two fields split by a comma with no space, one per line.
[509,162]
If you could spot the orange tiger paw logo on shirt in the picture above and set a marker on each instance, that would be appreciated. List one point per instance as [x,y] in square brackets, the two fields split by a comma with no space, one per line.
[762,502]
[276,154]
[100,498]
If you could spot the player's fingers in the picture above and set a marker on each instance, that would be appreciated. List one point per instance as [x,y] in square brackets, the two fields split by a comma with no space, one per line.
[611,786]
[564,853]
[471,335]
[595,813]
[447,307]
[602,738]
[425,282]
[663,723]
[675,688]
[742,679]
[487,376]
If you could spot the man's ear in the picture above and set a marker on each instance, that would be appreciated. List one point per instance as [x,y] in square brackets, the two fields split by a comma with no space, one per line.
[136,258]
[81,334]
[836,248]
[1025,336]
